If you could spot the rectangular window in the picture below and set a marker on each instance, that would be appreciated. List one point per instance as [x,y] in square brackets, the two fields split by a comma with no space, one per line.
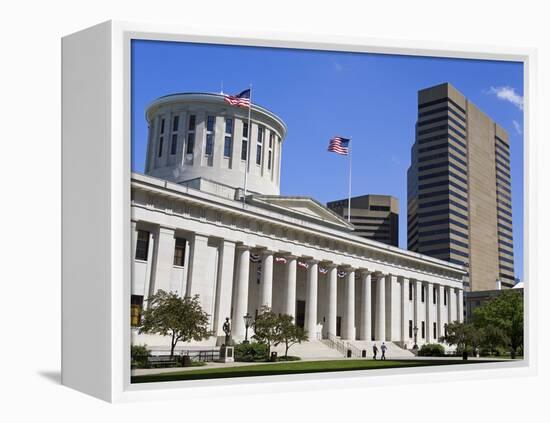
[174,145]
[190,143]
[142,245]
[445,297]
[245,129]
[192,123]
[136,306]
[162,126]
[228,140]
[227,146]
[435,330]
[209,144]
[270,153]
[161,142]
[260,145]
[410,328]
[210,121]
[423,293]
[435,295]
[179,252]
[410,291]
[445,329]
[175,123]
[244,148]
[191,135]
[423,330]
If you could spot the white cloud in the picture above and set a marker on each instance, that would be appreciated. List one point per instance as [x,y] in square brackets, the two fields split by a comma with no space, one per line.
[517,127]
[508,94]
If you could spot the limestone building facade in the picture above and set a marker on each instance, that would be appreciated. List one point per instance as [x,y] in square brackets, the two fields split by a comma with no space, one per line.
[195,233]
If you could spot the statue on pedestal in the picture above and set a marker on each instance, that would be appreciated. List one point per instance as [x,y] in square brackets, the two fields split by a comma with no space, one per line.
[226,350]
[227,330]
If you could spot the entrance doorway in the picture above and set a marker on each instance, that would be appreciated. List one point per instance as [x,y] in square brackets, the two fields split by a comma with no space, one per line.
[300,313]
[338,325]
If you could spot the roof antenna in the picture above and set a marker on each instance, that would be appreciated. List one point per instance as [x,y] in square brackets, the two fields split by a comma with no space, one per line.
[221,92]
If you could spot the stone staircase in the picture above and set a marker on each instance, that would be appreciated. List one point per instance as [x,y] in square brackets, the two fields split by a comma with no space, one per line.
[311,350]
[393,352]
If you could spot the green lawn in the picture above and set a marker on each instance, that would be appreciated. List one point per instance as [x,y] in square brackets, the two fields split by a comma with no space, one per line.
[292,368]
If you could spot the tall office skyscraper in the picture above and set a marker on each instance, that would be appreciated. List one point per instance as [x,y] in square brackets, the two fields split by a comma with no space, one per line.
[374,216]
[459,201]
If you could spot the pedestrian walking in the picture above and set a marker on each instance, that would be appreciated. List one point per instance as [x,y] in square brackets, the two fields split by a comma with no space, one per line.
[374,351]
[383,348]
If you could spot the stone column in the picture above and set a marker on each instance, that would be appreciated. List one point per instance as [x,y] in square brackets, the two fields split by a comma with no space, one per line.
[440,305]
[164,258]
[348,322]
[225,285]
[428,303]
[198,265]
[450,318]
[332,299]
[290,302]
[404,310]
[417,301]
[266,288]
[392,322]
[366,320]
[460,305]
[380,334]
[240,307]
[310,322]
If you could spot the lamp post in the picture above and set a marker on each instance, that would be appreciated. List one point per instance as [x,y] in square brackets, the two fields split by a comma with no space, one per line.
[415,331]
[247,320]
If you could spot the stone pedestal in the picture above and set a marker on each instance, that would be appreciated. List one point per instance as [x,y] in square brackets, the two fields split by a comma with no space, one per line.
[227,354]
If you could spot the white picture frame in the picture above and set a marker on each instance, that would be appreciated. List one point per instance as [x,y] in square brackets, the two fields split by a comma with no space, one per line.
[96,161]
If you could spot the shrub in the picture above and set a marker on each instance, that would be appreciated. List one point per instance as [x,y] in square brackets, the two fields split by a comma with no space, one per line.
[253,351]
[432,350]
[140,355]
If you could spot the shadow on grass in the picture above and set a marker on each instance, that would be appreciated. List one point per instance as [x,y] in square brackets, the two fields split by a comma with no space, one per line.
[289,368]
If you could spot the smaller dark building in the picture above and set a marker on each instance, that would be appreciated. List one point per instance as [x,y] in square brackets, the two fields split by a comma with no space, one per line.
[375,217]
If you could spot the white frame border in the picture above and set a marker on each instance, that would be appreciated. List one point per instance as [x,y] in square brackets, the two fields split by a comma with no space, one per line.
[120,264]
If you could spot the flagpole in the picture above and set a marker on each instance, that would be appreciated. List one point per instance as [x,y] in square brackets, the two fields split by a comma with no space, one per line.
[248,144]
[349,184]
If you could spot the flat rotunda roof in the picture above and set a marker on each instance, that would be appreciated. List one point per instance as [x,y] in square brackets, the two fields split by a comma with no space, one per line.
[211,98]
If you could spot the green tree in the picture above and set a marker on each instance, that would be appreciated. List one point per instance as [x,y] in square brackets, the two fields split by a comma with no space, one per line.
[506,313]
[493,337]
[182,319]
[463,335]
[289,333]
[266,328]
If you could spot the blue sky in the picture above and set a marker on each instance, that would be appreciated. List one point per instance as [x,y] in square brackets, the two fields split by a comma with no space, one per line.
[370,97]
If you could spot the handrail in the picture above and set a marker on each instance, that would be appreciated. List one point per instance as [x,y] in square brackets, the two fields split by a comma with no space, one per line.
[342,346]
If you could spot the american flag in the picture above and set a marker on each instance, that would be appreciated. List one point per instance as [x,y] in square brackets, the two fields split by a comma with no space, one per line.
[240,100]
[280,260]
[339,145]
[303,264]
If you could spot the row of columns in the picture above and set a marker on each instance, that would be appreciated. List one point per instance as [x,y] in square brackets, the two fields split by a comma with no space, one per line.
[231,254]
[348,318]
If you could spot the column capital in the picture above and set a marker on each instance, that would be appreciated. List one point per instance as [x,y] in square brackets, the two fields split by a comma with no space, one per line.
[266,252]
[312,261]
[242,247]
[328,265]
[364,272]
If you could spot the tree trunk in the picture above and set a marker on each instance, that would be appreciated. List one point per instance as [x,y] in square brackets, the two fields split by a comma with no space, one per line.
[172,347]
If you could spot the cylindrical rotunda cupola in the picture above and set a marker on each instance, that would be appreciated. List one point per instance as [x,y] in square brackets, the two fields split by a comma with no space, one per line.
[199,135]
